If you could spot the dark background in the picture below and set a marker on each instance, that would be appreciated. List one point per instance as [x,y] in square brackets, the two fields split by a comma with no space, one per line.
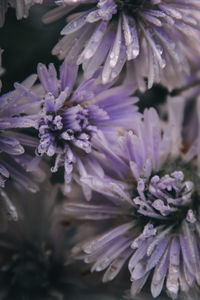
[25,43]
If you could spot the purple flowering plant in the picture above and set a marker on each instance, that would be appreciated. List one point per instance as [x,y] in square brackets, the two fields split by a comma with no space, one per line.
[152,197]
[152,36]
[17,159]
[100,153]
[68,119]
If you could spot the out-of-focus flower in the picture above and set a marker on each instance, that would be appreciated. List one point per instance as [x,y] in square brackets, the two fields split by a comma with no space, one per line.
[191,129]
[69,119]
[158,38]
[33,252]
[1,68]
[151,194]
[21,6]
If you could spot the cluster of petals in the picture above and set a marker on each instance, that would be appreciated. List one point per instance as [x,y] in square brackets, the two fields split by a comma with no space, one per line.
[149,194]
[158,38]
[68,119]
[139,172]
[17,159]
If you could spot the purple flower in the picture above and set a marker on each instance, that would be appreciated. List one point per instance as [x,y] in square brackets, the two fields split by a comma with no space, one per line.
[158,38]
[150,189]
[70,119]
[17,162]
[22,7]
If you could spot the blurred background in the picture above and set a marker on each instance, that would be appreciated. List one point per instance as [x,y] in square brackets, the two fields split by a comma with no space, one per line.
[25,43]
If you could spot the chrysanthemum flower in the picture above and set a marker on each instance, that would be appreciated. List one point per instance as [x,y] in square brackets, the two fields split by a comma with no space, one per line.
[69,119]
[151,194]
[17,160]
[159,37]
[22,8]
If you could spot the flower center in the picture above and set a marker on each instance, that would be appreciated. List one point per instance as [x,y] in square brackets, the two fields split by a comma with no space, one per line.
[69,126]
[168,197]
